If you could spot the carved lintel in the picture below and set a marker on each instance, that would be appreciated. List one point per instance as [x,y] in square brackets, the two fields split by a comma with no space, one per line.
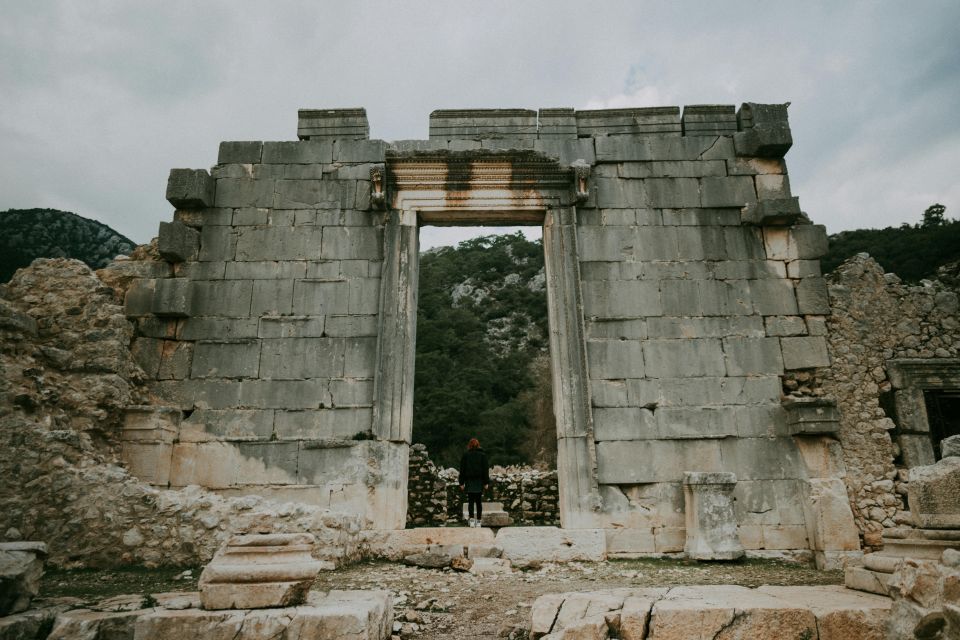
[378,196]
[581,174]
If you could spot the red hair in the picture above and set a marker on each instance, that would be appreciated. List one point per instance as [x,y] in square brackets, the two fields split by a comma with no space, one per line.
[473,444]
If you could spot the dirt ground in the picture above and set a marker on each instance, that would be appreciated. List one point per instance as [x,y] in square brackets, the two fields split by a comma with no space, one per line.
[432,604]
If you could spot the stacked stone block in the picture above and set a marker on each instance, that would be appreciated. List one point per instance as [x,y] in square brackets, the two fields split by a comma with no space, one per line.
[685,279]
[265,336]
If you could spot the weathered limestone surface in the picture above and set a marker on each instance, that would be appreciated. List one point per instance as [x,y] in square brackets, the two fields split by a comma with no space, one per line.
[710,523]
[926,598]
[876,322]
[711,612]
[21,567]
[934,494]
[340,615]
[260,571]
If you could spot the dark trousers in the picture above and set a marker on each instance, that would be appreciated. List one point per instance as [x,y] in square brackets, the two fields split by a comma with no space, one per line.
[475,499]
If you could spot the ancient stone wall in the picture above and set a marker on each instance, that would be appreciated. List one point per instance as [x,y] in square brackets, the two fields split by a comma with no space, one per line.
[684,296]
[878,321]
[68,378]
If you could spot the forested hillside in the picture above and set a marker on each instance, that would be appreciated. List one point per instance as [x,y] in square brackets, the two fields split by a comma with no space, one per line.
[27,234]
[912,252]
[482,367]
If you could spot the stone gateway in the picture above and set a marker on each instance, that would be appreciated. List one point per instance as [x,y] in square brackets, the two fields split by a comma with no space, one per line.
[684,293]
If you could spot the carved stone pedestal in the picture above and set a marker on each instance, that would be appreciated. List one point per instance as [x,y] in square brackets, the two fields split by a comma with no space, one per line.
[260,571]
[711,524]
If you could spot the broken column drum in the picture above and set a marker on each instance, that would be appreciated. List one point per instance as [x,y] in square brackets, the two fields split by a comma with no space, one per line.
[682,279]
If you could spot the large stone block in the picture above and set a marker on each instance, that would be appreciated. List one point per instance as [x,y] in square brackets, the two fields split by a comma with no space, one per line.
[333,124]
[700,422]
[206,425]
[764,130]
[730,191]
[224,298]
[725,611]
[172,298]
[812,297]
[271,297]
[653,148]
[621,299]
[323,423]
[762,458]
[752,356]
[710,521]
[244,192]
[663,460]
[551,544]
[725,298]
[286,394]
[177,242]
[260,571]
[612,359]
[278,243]
[226,359]
[805,352]
[298,358]
[830,524]
[773,297]
[627,423]
[702,243]
[190,189]
[934,494]
[352,243]
[302,152]
[334,615]
[218,244]
[683,358]
[240,152]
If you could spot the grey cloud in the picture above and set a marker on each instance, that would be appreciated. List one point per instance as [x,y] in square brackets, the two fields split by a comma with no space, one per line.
[99,100]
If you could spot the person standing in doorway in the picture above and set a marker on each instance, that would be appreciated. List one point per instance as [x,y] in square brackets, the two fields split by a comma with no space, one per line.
[474,478]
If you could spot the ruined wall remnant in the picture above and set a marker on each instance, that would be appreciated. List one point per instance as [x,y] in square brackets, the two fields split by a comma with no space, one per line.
[879,327]
[276,323]
[68,378]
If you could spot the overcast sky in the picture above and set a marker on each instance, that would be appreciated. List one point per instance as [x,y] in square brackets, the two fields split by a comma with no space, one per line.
[98,100]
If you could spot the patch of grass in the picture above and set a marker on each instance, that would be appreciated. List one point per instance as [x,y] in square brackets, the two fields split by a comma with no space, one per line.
[95,584]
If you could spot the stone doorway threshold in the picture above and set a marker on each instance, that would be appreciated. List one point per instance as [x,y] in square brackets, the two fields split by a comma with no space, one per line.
[521,545]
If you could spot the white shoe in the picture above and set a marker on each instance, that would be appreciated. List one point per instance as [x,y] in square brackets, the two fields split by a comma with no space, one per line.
[470,523]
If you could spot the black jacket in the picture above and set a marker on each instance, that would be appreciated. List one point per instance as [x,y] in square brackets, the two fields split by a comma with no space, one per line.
[474,473]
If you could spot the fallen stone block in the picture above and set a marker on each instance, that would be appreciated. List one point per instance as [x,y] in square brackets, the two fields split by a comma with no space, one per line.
[337,615]
[488,566]
[551,544]
[258,571]
[724,611]
[841,614]
[21,567]
[428,560]
[934,494]
[83,624]
[29,624]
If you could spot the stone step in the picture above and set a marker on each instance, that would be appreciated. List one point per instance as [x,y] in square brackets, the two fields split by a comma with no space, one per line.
[918,548]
